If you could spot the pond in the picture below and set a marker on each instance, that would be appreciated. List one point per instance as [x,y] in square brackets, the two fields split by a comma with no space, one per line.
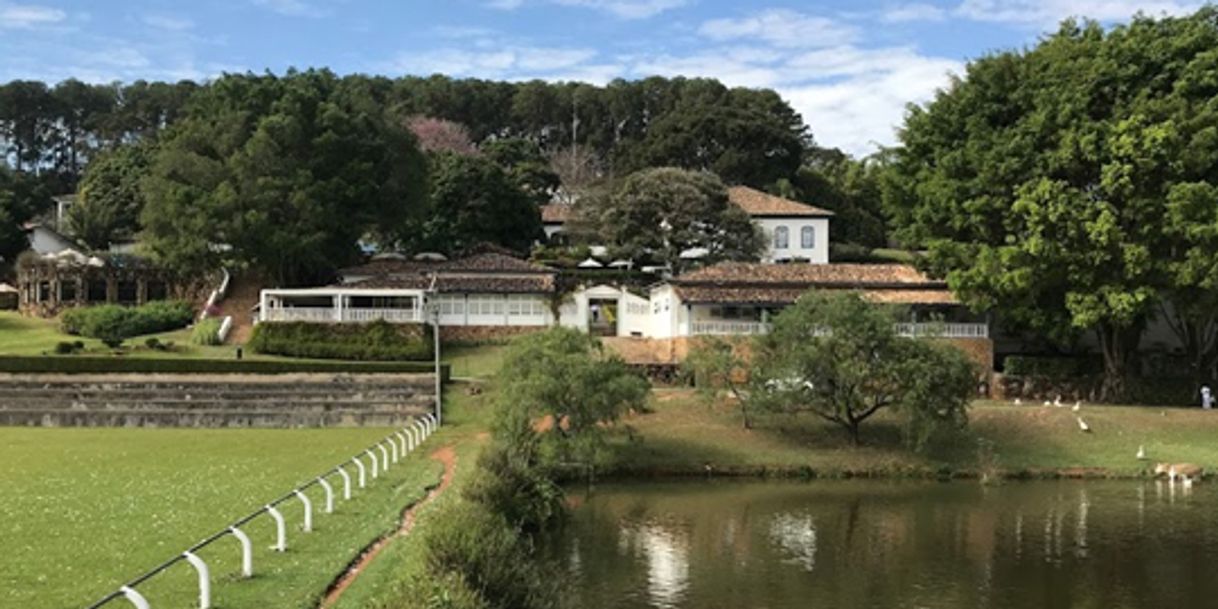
[868,544]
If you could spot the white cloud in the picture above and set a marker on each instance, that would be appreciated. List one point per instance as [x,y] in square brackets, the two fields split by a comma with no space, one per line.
[166,22]
[26,16]
[624,9]
[294,8]
[504,62]
[1041,13]
[783,28]
[913,12]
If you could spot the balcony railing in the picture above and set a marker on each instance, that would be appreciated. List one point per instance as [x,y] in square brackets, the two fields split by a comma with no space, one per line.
[322,315]
[926,330]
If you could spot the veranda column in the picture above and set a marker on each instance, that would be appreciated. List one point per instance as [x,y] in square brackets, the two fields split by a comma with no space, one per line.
[338,307]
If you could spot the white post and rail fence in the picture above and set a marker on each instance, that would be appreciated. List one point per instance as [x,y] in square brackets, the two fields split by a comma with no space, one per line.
[400,443]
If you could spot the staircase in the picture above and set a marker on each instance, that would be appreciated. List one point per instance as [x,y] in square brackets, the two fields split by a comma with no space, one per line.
[243,293]
[293,400]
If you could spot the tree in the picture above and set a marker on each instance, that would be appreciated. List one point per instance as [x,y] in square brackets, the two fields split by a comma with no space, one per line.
[282,175]
[79,109]
[25,122]
[565,378]
[657,214]
[838,357]
[111,197]
[438,135]
[850,188]
[473,201]
[526,165]
[22,197]
[1043,181]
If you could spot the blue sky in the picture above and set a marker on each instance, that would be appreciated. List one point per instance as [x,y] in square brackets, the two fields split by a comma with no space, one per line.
[848,66]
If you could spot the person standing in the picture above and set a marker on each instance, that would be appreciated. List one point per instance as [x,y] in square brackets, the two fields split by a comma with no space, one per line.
[1207,397]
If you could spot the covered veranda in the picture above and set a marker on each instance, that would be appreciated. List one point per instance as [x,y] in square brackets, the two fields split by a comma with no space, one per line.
[342,305]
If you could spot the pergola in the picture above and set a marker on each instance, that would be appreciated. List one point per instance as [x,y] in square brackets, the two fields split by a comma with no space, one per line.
[342,305]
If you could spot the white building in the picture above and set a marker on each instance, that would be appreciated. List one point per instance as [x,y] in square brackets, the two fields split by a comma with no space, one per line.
[795,232]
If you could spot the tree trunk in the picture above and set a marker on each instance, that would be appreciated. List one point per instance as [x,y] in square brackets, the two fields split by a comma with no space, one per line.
[1117,344]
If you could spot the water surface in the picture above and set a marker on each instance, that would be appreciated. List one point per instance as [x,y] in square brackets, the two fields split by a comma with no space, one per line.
[867,544]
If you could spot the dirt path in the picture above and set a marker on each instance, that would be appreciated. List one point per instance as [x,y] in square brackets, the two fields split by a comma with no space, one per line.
[448,457]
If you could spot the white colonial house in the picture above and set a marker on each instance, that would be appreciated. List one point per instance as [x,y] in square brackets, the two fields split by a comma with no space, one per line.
[794,232]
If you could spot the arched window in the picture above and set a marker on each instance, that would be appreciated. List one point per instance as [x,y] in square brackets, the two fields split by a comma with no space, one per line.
[807,237]
[782,238]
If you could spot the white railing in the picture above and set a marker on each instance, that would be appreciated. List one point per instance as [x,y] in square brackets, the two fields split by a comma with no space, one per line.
[944,330]
[909,330]
[391,315]
[401,442]
[217,294]
[729,328]
[329,315]
[226,326]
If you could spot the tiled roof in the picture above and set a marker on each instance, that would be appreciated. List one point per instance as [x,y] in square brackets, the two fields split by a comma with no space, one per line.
[556,213]
[760,204]
[785,283]
[488,272]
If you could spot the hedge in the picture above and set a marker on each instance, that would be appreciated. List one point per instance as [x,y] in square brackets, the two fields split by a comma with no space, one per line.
[375,341]
[132,365]
[114,323]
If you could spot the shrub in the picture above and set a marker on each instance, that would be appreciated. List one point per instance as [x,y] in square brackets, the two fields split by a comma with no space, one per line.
[112,323]
[206,332]
[66,348]
[376,341]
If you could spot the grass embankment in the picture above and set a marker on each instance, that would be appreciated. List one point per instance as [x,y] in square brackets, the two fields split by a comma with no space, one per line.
[685,436]
[85,510]
[20,335]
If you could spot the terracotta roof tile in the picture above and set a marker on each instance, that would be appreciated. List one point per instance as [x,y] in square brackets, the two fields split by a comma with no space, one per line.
[556,213]
[487,272]
[760,204]
[785,283]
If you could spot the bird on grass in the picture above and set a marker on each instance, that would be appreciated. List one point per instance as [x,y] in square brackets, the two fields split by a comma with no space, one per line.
[1141,453]
[1048,403]
[1082,425]
[1078,405]
[1057,401]
[1018,401]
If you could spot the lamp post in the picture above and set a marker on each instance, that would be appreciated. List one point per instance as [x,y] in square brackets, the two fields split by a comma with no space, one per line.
[432,308]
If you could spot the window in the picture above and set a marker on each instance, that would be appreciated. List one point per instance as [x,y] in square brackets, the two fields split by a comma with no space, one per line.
[452,305]
[807,237]
[67,291]
[157,290]
[97,291]
[782,238]
[128,292]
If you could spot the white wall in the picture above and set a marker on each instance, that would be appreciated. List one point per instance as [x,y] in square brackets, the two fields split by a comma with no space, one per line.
[817,254]
[495,310]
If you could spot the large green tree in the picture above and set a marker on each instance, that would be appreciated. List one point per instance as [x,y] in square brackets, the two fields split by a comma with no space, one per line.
[282,175]
[21,198]
[474,201]
[111,197]
[839,358]
[657,214]
[850,188]
[1044,182]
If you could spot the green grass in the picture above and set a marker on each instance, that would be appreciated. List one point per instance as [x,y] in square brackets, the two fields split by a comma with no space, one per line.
[401,565]
[20,335]
[84,510]
[474,362]
[685,435]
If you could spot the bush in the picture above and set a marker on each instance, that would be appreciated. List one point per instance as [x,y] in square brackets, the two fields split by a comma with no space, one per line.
[206,332]
[66,348]
[376,341]
[112,323]
[106,365]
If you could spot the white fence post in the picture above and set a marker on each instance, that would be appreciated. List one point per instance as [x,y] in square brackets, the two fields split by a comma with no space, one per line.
[308,510]
[329,495]
[204,579]
[410,431]
[247,551]
[393,447]
[401,436]
[421,427]
[433,422]
[360,466]
[371,455]
[384,456]
[281,533]
[346,483]
[136,598]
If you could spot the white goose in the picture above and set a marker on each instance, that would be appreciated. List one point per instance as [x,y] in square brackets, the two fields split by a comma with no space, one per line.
[1141,453]
[1082,425]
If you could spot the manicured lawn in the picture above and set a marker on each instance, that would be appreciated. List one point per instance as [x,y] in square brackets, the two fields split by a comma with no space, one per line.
[84,510]
[20,335]
[474,362]
[684,435]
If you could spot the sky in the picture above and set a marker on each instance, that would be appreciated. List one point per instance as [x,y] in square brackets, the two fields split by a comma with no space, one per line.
[849,67]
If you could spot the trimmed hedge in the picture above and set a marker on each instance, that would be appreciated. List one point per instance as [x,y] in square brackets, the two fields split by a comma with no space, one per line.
[375,341]
[1052,366]
[132,365]
[114,323]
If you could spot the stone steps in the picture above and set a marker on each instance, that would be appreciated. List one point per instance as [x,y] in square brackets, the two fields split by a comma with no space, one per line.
[292,400]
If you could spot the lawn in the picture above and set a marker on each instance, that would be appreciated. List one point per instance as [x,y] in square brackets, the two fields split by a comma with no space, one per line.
[84,510]
[684,434]
[20,335]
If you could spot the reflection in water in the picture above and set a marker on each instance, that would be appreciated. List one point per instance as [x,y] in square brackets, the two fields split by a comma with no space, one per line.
[667,563]
[796,535]
[877,545]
